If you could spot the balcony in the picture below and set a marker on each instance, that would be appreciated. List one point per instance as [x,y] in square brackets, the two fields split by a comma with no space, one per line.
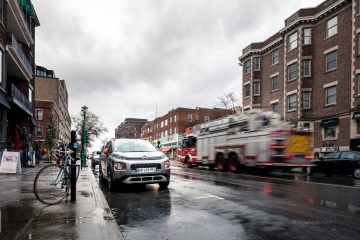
[21,100]
[22,19]
[19,65]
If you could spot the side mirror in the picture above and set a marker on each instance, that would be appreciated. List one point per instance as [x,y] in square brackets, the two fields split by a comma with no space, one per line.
[106,151]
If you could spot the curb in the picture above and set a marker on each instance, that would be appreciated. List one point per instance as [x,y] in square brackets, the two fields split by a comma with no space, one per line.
[111,229]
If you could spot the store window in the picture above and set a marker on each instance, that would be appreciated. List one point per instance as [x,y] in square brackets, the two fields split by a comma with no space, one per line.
[330,132]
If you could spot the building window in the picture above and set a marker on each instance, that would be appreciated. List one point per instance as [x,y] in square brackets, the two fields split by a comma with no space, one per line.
[306,100]
[292,102]
[39,114]
[247,90]
[206,119]
[170,131]
[162,124]
[292,72]
[275,56]
[166,122]
[275,107]
[358,84]
[39,131]
[247,66]
[330,95]
[30,92]
[358,43]
[256,88]
[330,132]
[307,68]
[174,118]
[257,64]
[292,41]
[331,27]
[331,61]
[174,130]
[170,119]
[307,36]
[189,117]
[275,83]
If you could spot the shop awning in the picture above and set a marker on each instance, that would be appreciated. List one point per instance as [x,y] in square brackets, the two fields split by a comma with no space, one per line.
[165,149]
[3,100]
[356,116]
[329,122]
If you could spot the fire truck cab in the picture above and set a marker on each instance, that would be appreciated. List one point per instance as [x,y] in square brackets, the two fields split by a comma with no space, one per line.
[249,139]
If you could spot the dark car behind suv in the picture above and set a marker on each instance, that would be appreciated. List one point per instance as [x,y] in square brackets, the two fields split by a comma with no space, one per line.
[342,162]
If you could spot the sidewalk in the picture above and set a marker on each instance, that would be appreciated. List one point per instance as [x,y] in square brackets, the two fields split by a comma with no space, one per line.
[22,216]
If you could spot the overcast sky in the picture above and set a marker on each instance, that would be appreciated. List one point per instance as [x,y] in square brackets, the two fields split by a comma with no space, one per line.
[121,57]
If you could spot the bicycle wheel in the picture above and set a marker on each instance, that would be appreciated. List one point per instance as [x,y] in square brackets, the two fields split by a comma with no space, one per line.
[49,184]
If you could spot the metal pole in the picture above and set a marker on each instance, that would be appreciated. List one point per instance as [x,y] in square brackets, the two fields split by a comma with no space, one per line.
[84,162]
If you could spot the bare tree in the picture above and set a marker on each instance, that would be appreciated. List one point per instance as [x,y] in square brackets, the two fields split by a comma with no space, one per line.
[94,128]
[230,101]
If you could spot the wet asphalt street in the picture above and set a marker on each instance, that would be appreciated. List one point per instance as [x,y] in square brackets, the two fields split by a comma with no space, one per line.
[202,204]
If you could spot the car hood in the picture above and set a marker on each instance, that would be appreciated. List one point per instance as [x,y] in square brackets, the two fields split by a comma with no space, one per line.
[140,155]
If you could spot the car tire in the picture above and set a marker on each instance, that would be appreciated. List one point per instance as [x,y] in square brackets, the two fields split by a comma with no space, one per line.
[164,184]
[188,163]
[309,171]
[356,173]
[111,185]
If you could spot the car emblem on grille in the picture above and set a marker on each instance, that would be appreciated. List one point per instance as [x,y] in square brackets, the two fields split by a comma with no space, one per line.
[144,157]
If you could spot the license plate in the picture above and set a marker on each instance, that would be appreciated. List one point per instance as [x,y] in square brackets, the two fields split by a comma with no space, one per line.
[146,170]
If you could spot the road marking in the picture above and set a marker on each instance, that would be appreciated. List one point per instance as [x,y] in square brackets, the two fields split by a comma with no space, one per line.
[210,196]
[269,178]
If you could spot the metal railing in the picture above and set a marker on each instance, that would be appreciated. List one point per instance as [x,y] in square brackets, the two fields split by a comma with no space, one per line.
[26,11]
[18,48]
[18,95]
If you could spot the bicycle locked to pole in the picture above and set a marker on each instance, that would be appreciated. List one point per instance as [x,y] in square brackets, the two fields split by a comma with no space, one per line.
[53,182]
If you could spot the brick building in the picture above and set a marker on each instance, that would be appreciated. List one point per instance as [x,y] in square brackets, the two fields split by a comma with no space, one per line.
[51,96]
[168,130]
[17,56]
[309,73]
[130,128]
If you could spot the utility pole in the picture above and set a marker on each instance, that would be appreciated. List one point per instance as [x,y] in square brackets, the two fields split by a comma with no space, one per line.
[84,161]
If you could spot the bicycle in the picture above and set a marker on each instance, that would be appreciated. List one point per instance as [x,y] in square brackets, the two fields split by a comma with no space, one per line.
[52,183]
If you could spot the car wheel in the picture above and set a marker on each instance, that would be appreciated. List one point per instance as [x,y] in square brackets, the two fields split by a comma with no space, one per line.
[309,171]
[111,185]
[164,184]
[356,173]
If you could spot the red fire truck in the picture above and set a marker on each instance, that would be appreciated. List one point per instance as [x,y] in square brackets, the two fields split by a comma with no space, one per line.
[249,139]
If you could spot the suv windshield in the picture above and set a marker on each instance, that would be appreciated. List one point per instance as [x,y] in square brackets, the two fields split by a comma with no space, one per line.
[133,146]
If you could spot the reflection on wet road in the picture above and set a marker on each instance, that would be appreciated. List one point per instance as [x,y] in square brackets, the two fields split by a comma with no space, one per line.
[201,204]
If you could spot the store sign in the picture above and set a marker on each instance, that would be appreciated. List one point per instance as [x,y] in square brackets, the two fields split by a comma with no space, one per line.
[10,162]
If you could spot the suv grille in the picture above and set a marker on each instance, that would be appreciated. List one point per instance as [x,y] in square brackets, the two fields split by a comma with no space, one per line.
[133,167]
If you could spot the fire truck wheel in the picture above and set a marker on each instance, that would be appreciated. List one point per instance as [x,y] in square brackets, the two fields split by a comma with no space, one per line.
[187,163]
[234,164]
[220,162]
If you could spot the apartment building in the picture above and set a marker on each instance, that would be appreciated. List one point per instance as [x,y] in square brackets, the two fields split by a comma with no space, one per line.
[130,128]
[309,72]
[51,96]
[167,131]
[17,53]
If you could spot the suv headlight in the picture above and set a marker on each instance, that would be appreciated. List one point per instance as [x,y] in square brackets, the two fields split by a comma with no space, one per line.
[119,166]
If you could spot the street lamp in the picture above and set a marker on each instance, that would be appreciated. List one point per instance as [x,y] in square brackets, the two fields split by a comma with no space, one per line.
[84,162]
